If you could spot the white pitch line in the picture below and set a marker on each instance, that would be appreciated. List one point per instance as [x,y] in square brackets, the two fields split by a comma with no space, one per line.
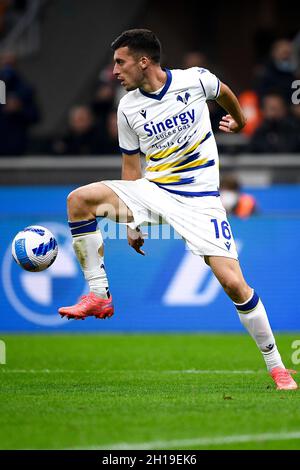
[100,371]
[207,371]
[197,442]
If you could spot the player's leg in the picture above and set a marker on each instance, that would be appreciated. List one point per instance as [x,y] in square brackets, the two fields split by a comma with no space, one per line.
[252,314]
[96,199]
[84,204]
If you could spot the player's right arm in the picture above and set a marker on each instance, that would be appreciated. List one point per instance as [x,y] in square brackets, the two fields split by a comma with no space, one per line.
[213,89]
[235,120]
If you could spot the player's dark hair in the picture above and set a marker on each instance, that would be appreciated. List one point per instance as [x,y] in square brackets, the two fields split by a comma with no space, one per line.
[139,41]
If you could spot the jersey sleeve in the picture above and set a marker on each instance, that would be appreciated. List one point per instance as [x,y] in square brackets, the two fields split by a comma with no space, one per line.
[128,139]
[210,84]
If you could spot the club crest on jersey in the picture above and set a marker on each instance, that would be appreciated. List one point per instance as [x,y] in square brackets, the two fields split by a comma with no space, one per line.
[143,113]
[184,99]
[201,70]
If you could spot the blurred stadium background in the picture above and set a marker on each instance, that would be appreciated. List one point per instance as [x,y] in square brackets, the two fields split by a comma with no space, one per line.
[58,131]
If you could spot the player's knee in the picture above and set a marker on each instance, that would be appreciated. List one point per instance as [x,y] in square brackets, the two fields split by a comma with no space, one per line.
[233,287]
[77,202]
[75,198]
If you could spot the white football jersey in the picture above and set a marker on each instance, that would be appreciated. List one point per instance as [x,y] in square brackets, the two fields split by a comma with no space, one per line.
[172,128]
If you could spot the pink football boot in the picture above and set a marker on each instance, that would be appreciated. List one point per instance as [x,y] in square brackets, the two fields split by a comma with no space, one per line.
[283,379]
[89,306]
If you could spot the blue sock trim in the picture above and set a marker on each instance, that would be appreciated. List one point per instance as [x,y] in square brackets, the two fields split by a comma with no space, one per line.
[249,306]
[80,223]
[83,226]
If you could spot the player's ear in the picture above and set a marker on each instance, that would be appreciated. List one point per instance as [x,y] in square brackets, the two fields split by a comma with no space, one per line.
[144,62]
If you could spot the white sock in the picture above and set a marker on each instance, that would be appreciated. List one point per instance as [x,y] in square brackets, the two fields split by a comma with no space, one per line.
[253,316]
[88,248]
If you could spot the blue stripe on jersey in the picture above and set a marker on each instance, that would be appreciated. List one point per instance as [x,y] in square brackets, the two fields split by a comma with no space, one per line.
[249,306]
[163,91]
[191,151]
[202,87]
[205,165]
[22,256]
[189,193]
[190,159]
[126,119]
[129,152]
[218,89]
[208,135]
[182,147]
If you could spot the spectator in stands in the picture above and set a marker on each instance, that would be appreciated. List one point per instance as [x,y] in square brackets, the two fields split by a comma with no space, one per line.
[194,59]
[82,137]
[234,200]
[106,77]
[295,118]
[103,102]
[10,13]
[278,132]
[279,73]
[109,138]
[20,111]
[296,49]
[295,111]
[4,5]
[250,105]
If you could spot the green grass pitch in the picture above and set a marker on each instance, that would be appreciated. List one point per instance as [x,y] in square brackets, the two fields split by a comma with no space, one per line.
[185,391]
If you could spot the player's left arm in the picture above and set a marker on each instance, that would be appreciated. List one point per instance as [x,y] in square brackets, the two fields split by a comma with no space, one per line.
[235,120]
[131,167]
[131,171]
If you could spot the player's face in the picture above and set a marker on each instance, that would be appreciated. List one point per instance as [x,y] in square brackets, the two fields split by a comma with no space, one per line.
[128,69]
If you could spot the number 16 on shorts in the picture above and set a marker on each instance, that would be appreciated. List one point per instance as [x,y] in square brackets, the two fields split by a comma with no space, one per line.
[225,229]
[224,238]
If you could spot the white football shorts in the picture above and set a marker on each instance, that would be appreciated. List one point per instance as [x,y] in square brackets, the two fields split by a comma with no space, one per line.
[200,221]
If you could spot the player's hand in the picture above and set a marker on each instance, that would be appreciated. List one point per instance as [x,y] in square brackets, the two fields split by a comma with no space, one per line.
[136,239]
[228,124]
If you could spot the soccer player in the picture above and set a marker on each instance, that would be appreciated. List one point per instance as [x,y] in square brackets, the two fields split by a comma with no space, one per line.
[165,116]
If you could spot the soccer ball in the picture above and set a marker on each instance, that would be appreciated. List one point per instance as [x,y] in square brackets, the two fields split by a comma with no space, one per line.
[34,248]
